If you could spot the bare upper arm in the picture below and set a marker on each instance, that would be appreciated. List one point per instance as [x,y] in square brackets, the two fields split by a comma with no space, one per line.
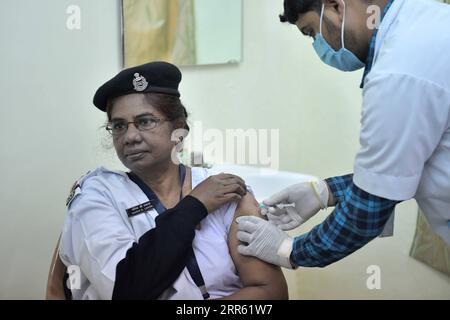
[55,288]
[252,271]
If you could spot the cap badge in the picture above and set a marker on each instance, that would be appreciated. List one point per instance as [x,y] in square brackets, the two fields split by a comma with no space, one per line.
[139,82]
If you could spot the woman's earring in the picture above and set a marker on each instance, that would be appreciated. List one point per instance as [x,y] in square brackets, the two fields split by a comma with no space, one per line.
[179,144]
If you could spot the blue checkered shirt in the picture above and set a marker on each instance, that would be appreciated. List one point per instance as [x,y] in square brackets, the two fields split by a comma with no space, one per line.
[357,218]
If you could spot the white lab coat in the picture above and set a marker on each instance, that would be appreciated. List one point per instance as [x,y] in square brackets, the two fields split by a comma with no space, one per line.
[405,124]
[97,234]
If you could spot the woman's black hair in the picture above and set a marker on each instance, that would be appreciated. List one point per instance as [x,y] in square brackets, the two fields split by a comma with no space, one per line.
[170,106]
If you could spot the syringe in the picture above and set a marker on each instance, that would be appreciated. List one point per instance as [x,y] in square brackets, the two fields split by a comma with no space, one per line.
[279,206]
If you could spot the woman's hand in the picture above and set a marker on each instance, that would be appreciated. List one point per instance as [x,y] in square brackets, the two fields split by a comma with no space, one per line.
[218,190]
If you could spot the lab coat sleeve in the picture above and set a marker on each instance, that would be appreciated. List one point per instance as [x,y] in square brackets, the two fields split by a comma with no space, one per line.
[402,123]
[108,255]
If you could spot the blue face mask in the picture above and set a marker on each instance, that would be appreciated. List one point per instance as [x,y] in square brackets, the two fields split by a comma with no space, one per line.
[343,59]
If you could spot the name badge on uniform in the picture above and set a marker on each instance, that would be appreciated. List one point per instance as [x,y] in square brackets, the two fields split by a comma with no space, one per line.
[140,208]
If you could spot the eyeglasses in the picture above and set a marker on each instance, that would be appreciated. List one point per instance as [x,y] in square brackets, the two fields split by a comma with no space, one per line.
[119,127]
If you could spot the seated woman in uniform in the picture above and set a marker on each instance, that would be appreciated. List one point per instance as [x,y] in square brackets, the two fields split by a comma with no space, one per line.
[118,231]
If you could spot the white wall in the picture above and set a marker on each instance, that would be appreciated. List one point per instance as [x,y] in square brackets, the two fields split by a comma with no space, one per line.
[217,31]
[50,134]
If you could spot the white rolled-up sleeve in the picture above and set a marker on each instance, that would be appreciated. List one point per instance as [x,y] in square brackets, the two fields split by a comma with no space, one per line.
[96,237]
[402,122]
